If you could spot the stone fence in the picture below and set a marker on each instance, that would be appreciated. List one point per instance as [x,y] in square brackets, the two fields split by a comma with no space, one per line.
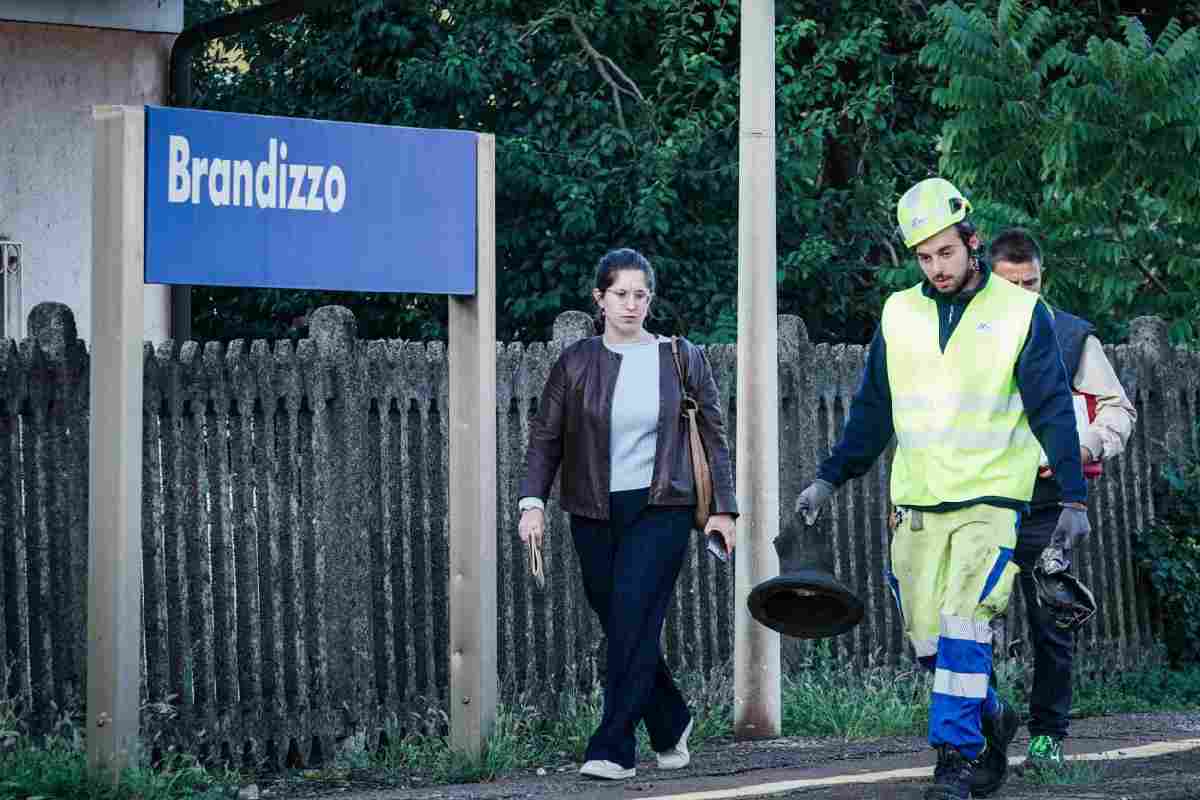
[295,527]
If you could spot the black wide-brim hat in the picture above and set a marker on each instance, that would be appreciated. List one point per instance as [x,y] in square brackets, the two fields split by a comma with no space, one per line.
[806,600]
[807,604]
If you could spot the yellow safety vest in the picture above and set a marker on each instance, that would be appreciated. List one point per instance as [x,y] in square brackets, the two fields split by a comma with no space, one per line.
[961,428]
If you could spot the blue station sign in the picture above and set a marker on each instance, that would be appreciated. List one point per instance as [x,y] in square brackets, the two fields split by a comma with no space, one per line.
[277,202]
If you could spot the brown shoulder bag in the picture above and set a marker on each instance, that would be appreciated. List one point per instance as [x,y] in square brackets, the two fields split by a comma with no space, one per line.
[700,470]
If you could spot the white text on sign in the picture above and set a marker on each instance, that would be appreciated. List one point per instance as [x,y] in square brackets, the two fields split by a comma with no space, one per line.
[273,183]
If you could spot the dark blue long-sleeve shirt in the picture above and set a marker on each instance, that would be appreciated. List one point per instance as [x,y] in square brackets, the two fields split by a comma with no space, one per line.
[1041,379]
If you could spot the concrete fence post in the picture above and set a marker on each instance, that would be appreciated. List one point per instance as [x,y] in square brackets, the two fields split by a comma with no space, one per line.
[341,555]
[571,326]
[62,465]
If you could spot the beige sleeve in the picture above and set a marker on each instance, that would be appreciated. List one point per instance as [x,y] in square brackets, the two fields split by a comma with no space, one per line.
[1115,415]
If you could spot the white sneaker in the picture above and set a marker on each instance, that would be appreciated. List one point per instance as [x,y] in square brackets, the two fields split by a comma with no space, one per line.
[606,770]
[677,757]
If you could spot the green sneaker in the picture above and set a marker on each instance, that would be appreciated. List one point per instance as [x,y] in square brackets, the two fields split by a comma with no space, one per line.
[1045,752]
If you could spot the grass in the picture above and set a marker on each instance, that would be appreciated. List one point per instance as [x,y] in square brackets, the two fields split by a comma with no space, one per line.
[527,737]
[55,767]
[1100,691]
[822,697]
[1069,773]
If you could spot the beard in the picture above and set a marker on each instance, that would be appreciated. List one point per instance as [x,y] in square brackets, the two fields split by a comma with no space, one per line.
[956,285]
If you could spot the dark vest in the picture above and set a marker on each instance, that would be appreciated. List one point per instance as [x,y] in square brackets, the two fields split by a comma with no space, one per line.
[1071,332]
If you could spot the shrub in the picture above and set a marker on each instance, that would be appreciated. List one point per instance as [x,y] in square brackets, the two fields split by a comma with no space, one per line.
[1168,551]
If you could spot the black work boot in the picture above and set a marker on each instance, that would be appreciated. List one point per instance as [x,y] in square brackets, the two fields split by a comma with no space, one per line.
[953,775]
[998,731]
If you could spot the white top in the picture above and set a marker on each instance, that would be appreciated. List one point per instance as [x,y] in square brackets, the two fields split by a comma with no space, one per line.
[633,435]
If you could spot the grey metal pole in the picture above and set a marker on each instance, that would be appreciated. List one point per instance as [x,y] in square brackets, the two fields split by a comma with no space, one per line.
[756,710]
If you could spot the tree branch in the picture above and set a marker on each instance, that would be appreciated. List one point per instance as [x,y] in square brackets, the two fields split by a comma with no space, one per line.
[633,90]
[1151,276]
[891,251]
[599,60]
[620,84]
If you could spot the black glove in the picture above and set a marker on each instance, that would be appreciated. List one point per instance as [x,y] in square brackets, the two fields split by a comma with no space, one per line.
[813,499]
[1072,526]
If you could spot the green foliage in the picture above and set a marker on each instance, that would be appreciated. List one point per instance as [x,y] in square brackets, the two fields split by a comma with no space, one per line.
[617,123]
[1094,147]
[583,166]
[1168,551]
[1099,689]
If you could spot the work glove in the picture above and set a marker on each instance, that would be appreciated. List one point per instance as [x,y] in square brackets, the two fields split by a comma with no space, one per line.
[1072,526]
[813,499]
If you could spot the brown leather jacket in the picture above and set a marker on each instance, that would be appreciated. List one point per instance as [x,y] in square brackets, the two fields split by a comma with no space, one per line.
[574,419]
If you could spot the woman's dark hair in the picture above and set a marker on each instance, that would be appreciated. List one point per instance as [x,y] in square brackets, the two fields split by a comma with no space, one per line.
[615,261]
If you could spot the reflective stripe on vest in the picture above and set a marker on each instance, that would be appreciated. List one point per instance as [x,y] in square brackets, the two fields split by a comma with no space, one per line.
[961,428]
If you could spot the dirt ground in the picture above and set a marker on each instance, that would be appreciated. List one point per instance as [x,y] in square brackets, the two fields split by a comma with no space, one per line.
[750,768]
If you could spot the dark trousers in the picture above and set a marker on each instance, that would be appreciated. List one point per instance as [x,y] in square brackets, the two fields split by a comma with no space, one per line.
[1053,648]
[629,566]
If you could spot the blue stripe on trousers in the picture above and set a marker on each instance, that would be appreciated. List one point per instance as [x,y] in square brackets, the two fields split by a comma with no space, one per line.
[957,723]
[963,656]
[955,720]
[1006,554]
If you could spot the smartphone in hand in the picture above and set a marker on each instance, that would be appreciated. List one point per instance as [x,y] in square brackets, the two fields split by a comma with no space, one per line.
[715,544]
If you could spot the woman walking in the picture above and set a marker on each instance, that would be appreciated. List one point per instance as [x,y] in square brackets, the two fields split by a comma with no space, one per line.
[611,415]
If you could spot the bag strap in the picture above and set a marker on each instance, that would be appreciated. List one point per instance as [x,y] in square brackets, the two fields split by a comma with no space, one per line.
[689,401]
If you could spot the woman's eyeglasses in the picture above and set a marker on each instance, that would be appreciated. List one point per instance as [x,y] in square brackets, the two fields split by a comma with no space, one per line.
[640,296]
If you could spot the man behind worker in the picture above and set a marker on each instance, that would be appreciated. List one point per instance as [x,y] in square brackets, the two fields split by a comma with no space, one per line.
[1104,419]
[966,373]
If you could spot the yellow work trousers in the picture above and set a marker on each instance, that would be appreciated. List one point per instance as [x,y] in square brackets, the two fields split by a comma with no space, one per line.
[953,572]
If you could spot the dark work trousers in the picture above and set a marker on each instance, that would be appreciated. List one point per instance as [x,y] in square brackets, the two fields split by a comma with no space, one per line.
[629,566]
[1053,648]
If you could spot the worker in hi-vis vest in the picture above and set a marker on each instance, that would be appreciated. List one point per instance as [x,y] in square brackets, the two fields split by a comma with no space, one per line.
[966,373]
[1104,418]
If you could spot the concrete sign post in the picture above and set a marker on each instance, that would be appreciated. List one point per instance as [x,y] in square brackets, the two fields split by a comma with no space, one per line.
[472,492]
[199,197]
[115,455]
[757,701]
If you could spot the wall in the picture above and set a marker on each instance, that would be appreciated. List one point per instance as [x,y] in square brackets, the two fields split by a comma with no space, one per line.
[159,16]
[50,78]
